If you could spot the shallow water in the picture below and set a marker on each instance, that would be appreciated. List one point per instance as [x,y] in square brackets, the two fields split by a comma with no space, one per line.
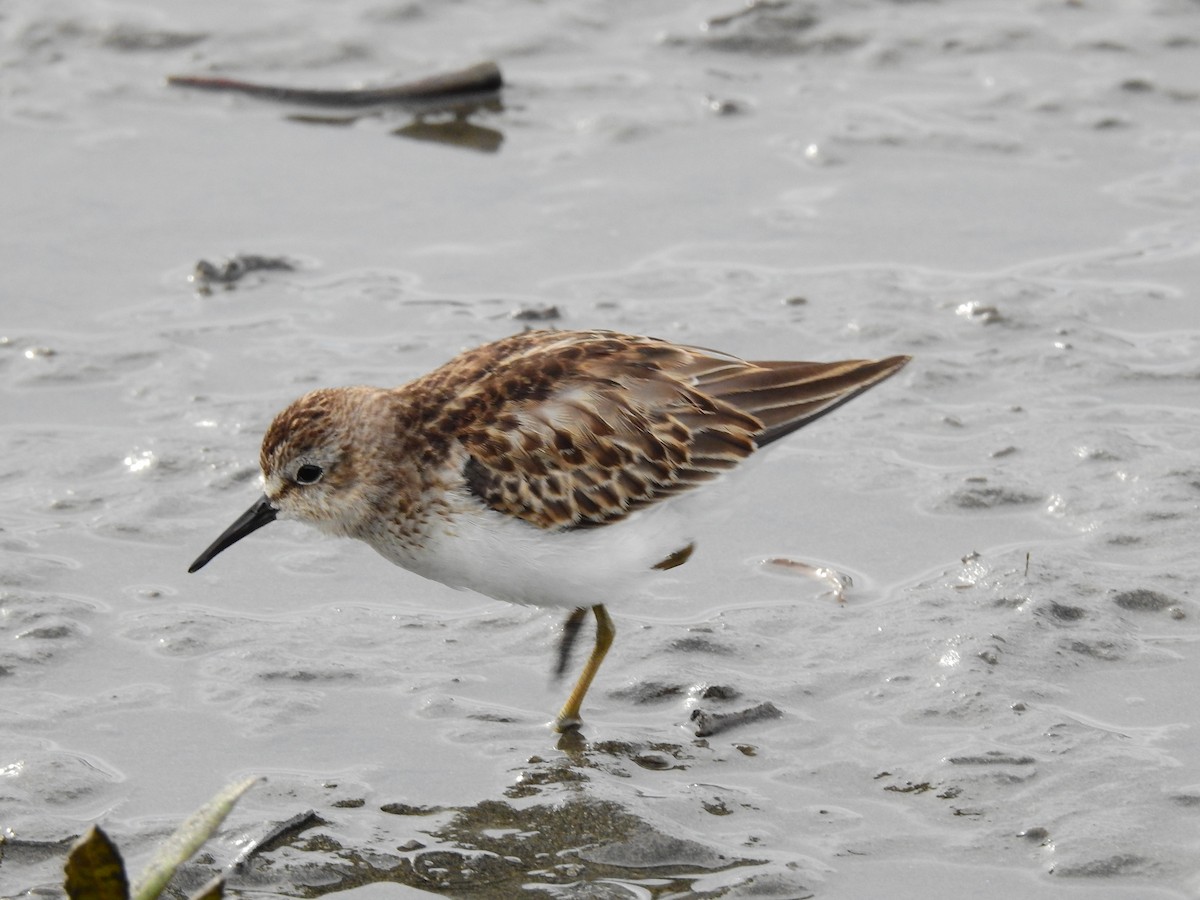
[1002,705]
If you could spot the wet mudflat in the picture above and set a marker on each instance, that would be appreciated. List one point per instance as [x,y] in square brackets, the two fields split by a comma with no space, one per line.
[1000,704]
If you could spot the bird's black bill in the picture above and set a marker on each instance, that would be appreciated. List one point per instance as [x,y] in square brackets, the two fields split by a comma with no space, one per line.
[258,515]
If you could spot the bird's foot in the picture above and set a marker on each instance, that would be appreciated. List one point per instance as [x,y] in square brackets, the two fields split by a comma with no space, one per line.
[567,724]
[570,738]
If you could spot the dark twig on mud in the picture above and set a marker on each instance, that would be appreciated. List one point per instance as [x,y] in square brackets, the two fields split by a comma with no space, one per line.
[483,78]
[276,833]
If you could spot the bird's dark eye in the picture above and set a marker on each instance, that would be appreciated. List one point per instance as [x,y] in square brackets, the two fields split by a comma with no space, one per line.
[309,474]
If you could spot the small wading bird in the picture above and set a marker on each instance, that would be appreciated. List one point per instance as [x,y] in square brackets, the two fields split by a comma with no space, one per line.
[552,468]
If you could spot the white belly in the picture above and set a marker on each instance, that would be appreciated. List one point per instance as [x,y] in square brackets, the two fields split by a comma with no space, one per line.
[511,560]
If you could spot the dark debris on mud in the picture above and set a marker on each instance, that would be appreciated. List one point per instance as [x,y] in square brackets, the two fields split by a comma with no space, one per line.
[544,833]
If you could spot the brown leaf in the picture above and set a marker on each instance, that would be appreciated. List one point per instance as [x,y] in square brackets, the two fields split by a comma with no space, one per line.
[95,870]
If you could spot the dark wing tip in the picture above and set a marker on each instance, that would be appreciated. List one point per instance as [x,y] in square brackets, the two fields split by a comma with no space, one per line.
[786,396]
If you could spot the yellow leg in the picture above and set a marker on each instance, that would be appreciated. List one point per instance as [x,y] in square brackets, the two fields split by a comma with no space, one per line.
[568,717]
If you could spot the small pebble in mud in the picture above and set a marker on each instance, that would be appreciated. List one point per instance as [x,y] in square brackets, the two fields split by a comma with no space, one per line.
[724,107]
[227,273]
[659,762]
[719,692]
[979,312]
[979,494]
[1065,612]
[1143,600]
[700,645]
[48,632]
[991,758]
[708,724]
[536,314]
[1124,540]
[1097,649]
[407,809]
[1137,85]
[650,692]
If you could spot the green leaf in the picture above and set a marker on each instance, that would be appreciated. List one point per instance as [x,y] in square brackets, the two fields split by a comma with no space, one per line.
[187,839]
[95,870]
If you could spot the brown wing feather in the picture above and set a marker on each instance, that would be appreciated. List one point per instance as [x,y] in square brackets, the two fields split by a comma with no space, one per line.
[786,396]
[576,429]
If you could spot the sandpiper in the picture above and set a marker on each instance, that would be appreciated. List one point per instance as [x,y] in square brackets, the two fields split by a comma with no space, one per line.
[552,468]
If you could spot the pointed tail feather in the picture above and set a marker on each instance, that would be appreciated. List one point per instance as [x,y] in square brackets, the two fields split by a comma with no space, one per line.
[786,396]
